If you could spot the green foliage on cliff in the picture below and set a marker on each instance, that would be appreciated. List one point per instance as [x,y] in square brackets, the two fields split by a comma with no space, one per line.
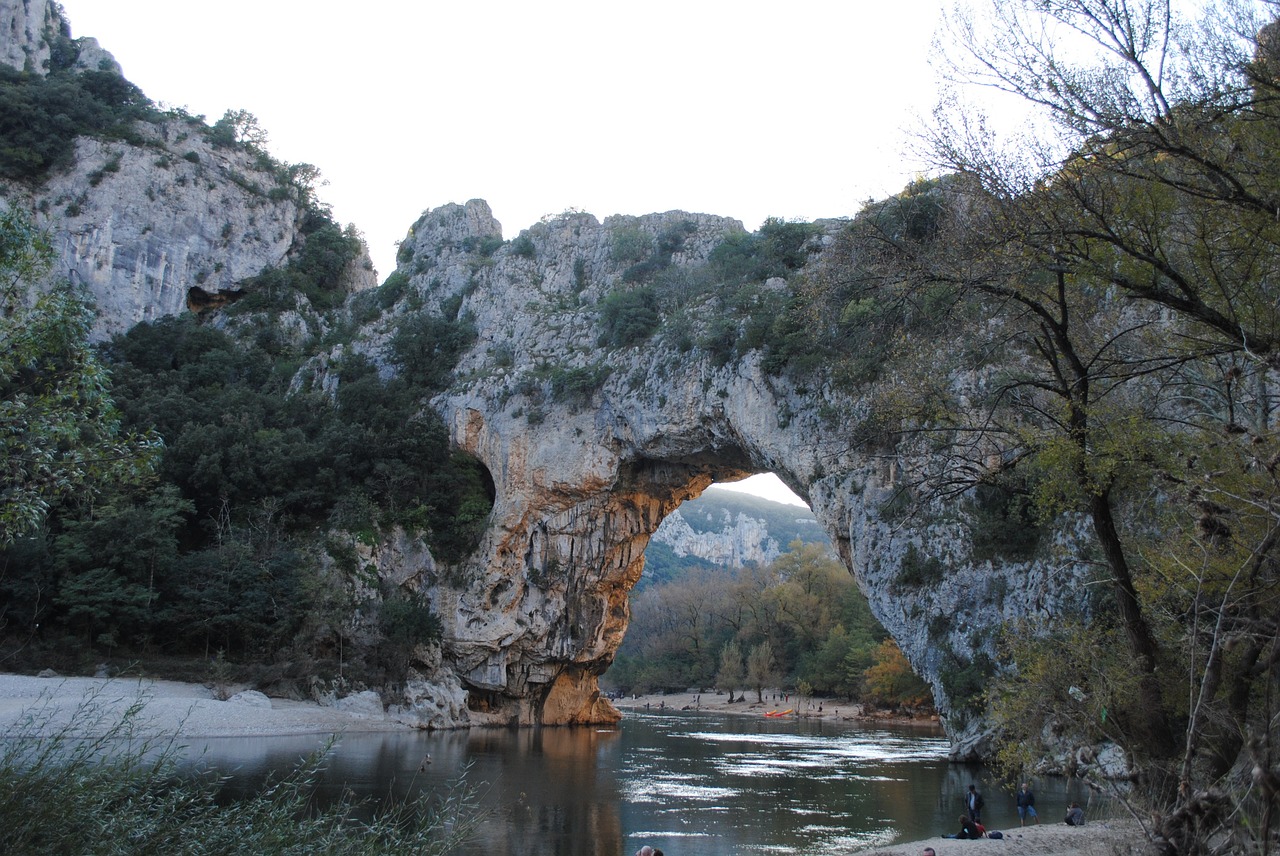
[40,117]
[316,271]
[778,248]
[60,431]
[222,553]
[720,307]
[629,317]
[427,347]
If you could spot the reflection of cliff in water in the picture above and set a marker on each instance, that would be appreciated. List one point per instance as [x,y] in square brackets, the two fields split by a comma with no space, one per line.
[547,785]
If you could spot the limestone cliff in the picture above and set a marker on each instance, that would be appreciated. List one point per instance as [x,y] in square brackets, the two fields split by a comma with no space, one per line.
[740,540]
[30,30]
[721,529]
[164,219]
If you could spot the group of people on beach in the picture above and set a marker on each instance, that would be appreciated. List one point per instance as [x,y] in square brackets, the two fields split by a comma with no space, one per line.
[971,821]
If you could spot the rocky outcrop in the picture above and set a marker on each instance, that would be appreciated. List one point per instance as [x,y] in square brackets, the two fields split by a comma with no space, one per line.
[154,231]
[24,29]
[164,222]
[733,529]
[583,479]
[170,224]
[29,31]
[741,540]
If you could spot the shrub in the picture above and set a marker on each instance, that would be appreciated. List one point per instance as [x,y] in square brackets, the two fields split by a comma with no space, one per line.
[40,117]
[919,570]
[485,245]
[577,385]
[392,289]
[965,681]
[407,620]
[629,244]
[428,348]
[1004,523]
[776,250]
[629,317]
[523,246]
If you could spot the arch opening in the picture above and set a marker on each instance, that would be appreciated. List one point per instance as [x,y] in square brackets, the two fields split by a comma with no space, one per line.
[717,626]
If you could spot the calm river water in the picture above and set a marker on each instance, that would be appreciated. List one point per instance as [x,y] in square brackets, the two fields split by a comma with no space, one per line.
[688,783]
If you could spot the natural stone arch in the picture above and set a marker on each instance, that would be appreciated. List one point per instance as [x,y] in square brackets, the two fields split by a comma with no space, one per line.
[541,622]
[582,479]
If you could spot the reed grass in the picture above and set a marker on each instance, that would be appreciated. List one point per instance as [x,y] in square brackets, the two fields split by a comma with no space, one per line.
[100,782]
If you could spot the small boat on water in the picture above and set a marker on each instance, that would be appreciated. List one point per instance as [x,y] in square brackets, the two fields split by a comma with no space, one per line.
[777,713]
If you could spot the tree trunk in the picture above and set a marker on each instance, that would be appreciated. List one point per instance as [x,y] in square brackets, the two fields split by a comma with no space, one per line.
[1153,727]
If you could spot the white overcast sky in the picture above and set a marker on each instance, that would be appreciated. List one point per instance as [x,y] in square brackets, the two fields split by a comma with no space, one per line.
[746,109]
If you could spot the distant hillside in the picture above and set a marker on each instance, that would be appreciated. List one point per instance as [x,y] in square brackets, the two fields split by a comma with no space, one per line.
[726,528]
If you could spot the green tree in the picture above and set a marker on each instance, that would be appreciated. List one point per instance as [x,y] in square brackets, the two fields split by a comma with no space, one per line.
[730,675]
[239,128]
[1127,257]
[113,562]
[60,433]
[761,671]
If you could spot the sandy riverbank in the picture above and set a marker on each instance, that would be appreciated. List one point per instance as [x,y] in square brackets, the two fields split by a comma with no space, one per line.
[712,702]
[1099,838]
[170,707]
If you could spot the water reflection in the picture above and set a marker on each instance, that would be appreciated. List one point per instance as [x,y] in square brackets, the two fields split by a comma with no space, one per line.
[688,783]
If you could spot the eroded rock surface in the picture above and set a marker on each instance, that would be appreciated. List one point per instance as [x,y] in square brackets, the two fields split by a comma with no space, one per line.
[584,475]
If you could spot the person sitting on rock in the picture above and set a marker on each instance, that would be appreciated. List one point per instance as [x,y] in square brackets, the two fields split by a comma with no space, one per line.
[1075,815]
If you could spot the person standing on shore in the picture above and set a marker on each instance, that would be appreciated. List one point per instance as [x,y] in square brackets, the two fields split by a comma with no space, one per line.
[973,802]
[1026,805]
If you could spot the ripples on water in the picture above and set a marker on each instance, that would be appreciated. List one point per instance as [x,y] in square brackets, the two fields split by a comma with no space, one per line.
[688,783]
[772,786]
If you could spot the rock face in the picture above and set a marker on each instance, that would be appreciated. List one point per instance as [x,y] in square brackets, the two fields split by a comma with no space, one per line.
[164,229]
[23,25]
[161,224]
[583,480]
[742,540]
[729,529]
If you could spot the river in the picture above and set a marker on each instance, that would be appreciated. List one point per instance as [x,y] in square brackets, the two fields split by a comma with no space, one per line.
[685,782]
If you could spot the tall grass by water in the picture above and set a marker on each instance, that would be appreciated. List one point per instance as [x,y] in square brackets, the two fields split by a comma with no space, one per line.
[99,782]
